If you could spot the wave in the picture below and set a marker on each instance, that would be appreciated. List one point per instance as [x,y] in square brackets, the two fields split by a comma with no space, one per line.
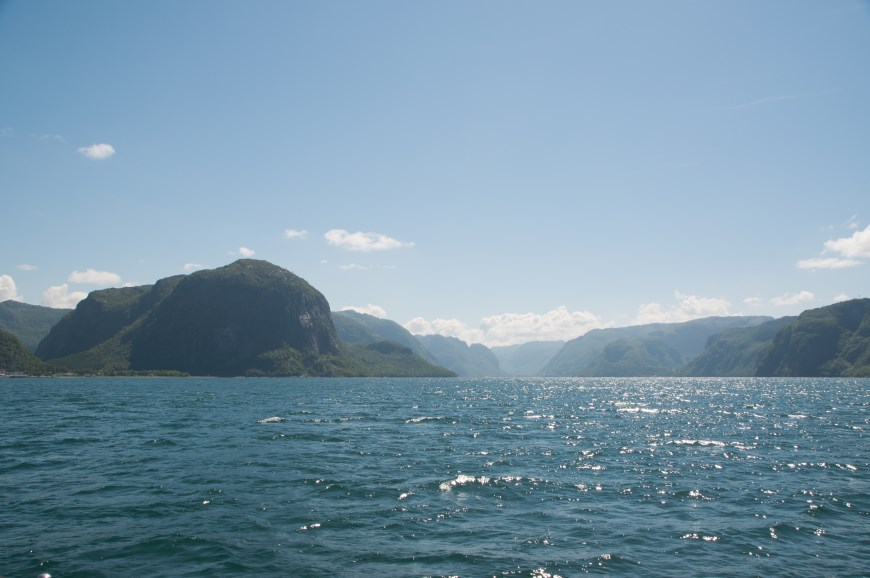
[275,419]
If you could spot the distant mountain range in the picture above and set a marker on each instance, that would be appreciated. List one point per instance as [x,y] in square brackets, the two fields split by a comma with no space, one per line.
[254,318]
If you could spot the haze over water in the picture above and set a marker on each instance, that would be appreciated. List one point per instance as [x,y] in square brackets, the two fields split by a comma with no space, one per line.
[428,477]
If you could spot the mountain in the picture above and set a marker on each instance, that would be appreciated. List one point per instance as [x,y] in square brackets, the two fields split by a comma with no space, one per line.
[29,323]
[354,328]
[14,358]
[247,318]
[635,356]
[688,339]
[526,359]
[825,342]
[474,360]
[736,352]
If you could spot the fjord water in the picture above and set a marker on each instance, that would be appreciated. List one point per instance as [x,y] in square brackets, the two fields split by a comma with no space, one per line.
[434,477]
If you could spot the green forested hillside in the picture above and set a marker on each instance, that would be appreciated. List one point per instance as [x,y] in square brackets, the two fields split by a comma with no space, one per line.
[14,358]
[825,342]
[737,352]
[354,328]
[29,323]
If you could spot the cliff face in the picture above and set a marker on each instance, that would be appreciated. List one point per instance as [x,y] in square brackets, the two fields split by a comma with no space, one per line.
[212,322]
[219,321]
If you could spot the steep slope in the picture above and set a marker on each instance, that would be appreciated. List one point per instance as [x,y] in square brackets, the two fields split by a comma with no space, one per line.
[100,316]
[687,338]
[825,342]
[526,359]
[14,358]
[465,360]
[29,323]
[354,328]
[736,352]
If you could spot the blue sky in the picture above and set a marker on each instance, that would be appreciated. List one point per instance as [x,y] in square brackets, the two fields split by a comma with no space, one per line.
[500,171]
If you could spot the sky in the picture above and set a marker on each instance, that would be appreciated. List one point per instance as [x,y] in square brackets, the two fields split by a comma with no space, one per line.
[495,170]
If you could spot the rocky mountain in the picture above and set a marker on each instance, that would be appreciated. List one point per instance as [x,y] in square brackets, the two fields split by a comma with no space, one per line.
[465,360]
[526,359]
[14,358]
[29,323]
[247,318]
[582,356]
[829,341]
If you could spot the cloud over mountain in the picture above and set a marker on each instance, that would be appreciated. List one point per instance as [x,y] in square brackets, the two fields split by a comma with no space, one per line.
[512,328]
[60,297]
[8,289]
[93,277]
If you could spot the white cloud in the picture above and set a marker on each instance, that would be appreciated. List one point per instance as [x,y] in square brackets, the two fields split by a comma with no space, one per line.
[827,263]
[687,308]
[850,250]
[353,267]
[8,290]
[856,246]
[92,277]
[295,234]
[243,252]
[365,242]
[375,310]
[193,267]
[512,328]
[26,267]
[792,298]
[841,297]
[98,152]
[753,301]
[59,297]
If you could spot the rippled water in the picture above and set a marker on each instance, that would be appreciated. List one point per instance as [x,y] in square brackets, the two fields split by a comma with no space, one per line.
[450,477]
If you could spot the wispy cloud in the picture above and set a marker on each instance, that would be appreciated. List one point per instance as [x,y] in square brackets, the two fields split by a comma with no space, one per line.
[93,277]
[792,298]
[512,328]
[374,310]
[841,297]
[27,267]
[850,249]
[295,234]
[364,242]
[827,263]
[354,267]
[8,289]
[193,267]
[688,307]
[98,152]
[769,100]
[60,297]
[7,132]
